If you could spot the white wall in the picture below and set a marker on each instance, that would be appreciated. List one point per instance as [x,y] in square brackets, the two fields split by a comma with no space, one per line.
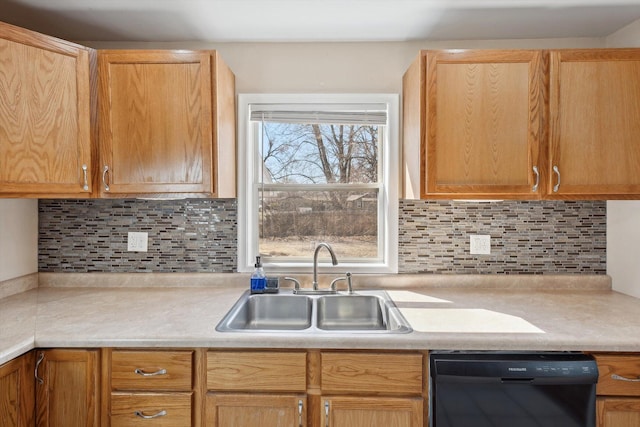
[18,238]
[623,217]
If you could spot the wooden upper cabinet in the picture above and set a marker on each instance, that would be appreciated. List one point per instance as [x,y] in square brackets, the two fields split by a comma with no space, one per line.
[45,115]
[595,124]
[167,124]
[473,119]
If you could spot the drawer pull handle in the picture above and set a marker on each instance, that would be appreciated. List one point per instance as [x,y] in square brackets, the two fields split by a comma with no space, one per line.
[150,374]
[621,378]
[150,417]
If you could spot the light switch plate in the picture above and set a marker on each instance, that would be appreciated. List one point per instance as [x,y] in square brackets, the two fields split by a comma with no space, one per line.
[480,244]
[137,241]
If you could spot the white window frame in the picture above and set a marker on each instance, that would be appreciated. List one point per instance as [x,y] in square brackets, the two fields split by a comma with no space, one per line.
[248,156]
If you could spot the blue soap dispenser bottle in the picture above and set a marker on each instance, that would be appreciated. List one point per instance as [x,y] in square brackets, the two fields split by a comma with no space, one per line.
[258,278]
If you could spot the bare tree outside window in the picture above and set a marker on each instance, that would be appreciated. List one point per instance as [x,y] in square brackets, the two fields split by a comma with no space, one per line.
[319,183]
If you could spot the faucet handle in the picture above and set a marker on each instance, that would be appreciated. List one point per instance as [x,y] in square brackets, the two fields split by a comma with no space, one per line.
[347,277]
[296,282]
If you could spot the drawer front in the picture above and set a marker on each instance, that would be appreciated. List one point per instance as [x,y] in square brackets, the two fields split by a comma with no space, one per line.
[151,370]
[151,409]
[256,371]
[619,375]
[371,373]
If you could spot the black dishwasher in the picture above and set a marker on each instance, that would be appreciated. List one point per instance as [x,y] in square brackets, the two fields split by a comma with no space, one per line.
[506,389]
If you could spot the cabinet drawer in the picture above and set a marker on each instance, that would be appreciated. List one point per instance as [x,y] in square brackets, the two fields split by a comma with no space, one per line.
[614,369]
[151,409]
[256,371]
[151,370]
[371,373]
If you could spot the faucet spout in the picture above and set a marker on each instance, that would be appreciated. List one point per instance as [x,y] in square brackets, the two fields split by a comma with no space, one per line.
[334,261]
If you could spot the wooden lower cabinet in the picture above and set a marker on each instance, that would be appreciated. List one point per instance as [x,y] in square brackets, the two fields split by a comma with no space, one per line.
[67,388]
[618,412]
[372,389]
[256,388]
[154,388]
[264,410]
[618,401]
[343,411]
[151,409]
[17,392]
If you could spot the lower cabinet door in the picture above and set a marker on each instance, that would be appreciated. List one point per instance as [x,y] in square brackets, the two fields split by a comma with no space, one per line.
[17,392]
[151,409]
[372,412]
[67,392]
[618,412]
[263,410]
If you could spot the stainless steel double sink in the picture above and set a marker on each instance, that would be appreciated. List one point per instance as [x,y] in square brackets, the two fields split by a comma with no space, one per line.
[362,312]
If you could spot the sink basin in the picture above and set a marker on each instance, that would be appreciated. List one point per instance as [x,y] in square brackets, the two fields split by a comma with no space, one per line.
[362,312]
[272,312]
[351,312]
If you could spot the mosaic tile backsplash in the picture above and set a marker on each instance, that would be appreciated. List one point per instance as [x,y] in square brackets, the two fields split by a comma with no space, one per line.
[198,235]
[531,237]
[186,236]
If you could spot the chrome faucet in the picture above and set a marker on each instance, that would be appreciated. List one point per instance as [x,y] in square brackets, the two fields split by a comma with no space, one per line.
[334,261]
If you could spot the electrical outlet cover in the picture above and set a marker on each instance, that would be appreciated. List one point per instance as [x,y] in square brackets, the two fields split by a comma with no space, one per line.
[137,241]
[480,244]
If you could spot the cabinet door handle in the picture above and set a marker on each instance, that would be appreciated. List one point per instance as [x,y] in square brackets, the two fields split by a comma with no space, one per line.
[557,186]
[300,406]
[150,417]
[326,413]
[105,171]
[150,374]
[85,187]
[621,378]
[35,372]
[537,173]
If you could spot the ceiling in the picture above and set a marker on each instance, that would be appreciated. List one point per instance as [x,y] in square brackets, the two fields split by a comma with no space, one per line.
[318,20]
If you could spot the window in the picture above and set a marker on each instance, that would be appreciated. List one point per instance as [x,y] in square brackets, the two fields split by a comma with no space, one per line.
[318,168]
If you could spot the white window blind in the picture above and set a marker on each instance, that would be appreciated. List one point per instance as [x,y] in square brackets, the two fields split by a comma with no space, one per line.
[338,114]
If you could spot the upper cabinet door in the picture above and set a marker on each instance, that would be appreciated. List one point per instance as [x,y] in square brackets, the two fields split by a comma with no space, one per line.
[156,124]
[45,116]
[595,124]
[480,123]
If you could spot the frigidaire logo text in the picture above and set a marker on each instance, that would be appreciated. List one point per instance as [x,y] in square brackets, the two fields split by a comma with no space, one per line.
[518,369]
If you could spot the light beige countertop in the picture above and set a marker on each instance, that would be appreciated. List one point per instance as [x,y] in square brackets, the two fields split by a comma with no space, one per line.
[583,315]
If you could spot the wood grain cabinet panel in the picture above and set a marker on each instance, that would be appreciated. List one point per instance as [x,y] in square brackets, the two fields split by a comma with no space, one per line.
[371,373]
[151,409]
[618,412]
[472,124]
[264,410]
[167,123]
[46,115]
[151,370]
[17,392]
[619,375]
[372,412]
[67,392]
[152,388]
[595,123]
[618,390]
[256,371]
